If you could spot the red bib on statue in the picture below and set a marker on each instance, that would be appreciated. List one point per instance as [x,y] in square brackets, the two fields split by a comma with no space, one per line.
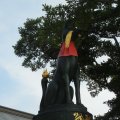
[70,51]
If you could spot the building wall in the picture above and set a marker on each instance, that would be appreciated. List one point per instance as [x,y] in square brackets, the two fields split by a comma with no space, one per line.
[12,114]
[6,116]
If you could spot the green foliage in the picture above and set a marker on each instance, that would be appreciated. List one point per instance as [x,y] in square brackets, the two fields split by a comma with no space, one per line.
[98,19]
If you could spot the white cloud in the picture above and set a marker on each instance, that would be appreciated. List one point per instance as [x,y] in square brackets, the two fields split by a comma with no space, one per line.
[27,94]
[3,27]
[54,2]
[103,58]
[95,104]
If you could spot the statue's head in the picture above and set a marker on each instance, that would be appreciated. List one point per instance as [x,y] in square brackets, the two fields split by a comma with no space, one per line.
[69,24]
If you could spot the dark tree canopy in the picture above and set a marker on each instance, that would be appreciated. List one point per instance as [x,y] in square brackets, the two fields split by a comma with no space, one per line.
[99,21]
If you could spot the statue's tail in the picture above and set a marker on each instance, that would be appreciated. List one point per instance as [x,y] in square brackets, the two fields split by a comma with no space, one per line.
[44,83]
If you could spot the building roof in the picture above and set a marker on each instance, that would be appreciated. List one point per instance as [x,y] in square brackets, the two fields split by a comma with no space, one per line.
[14,112]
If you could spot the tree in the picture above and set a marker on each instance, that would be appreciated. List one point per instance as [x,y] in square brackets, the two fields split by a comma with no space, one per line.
[99,21]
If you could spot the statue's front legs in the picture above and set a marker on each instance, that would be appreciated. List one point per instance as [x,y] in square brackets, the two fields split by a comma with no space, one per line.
[77,91]
[67,88]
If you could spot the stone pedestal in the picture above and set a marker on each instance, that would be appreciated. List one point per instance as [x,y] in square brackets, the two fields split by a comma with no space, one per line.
[64,112]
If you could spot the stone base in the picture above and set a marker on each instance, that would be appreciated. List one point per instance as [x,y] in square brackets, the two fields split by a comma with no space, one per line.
[64,112]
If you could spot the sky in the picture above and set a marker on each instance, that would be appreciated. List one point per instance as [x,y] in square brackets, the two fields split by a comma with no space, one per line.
[20,88]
